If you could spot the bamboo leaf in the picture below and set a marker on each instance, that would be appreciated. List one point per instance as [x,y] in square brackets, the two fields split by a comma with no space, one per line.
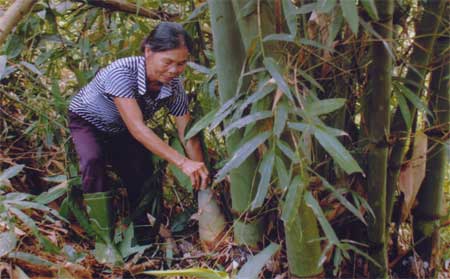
[34,205]
[56,178]
[404,109]
[281,117]
[191,272]
[246,120]
[324,106]
[350,12]
[316,44]
[357,197]
[334,27]
[198,11]
[125,247]
[280,37]
[29,222]
[291,18]
[369,6]
[337,151]
[18,196]
[283,176]
[52,194]
[287,151]
[225,110]
[199,68]
[263,90]
[30,258]
[306,8]
[343,200]
[265,172]
[180,176]
[369,28]
[201,124]
[360,252]
[11,172]
[293,201]
[248,9]
[332,131]
[413,98]
[275,72]
[241,154]
[299,126]
[8,242]
[31,67]
[328,230]
[255,264]
[310,79]
[325,6]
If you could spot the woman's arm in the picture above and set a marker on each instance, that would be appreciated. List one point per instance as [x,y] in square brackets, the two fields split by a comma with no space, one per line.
[132,116]
[192,146]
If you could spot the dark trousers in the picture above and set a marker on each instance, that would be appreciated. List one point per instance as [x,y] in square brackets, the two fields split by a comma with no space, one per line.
[95,149]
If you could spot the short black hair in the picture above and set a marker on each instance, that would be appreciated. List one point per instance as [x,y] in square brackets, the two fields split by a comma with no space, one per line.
[167,36]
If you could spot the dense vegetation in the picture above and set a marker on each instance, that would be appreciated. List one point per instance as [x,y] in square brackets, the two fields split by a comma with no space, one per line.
[325,124]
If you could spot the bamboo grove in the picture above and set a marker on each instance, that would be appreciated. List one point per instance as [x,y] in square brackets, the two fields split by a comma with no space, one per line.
[325,122]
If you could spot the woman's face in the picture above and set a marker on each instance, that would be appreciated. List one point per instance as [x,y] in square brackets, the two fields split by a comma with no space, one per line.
[165,65]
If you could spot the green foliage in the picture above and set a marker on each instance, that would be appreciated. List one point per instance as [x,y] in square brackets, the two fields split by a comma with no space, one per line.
[287,105]
[256,263]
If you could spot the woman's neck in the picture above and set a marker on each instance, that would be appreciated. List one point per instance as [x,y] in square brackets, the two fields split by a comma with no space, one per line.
[153,88]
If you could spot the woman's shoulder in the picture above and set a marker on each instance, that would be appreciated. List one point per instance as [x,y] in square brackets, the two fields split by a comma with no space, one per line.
[127,63]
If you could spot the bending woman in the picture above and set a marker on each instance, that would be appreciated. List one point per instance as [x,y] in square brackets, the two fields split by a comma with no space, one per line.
[107,123]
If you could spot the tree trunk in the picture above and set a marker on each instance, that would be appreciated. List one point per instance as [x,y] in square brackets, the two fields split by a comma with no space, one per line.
[428,212]
[426,29]
[230,55]
[12,17]
[378,123]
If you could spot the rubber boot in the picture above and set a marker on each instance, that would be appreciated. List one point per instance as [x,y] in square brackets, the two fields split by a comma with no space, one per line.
[101,217]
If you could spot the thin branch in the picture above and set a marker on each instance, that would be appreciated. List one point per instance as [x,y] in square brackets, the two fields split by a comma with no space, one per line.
[13,16]
[127,7]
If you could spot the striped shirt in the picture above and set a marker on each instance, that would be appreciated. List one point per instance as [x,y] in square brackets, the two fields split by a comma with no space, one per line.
[125,78]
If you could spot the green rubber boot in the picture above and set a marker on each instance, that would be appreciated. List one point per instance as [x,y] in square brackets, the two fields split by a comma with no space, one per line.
[101,217]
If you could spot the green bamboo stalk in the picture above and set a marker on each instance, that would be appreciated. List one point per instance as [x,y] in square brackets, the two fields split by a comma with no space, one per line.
[378,122]
[426,29]
[303,253]
[303,249]
[249,25]
[230,55]
[427,213]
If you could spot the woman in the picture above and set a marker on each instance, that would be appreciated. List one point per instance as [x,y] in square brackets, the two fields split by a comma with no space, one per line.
[107,124]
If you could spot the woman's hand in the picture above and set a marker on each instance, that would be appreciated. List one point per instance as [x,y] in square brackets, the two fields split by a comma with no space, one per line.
[197,172]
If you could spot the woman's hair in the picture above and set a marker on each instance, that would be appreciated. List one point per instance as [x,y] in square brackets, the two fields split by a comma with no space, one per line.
[167,36]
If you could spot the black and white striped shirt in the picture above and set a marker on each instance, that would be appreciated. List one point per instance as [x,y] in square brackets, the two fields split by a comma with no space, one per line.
[125,78]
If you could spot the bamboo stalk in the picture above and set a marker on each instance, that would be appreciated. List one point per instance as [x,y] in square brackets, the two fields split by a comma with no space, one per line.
[13,16]
[303,249]
[378,123]
[303,253]
[428,212]
[230,54]
[426,29]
